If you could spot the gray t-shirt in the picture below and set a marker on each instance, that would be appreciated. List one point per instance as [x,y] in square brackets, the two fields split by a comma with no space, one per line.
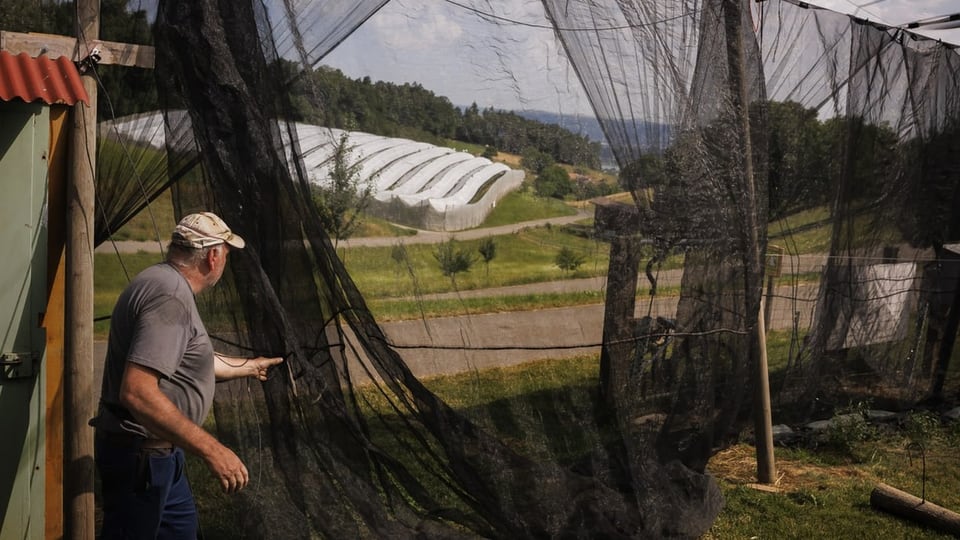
[155,324]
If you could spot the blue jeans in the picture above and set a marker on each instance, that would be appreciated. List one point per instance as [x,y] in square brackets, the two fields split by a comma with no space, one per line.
[145,493]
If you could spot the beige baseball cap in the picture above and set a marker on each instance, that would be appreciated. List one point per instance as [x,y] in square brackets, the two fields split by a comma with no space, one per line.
[203,230]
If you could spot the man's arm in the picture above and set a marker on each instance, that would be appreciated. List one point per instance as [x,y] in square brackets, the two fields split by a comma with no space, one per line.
[140,394]
[226,367]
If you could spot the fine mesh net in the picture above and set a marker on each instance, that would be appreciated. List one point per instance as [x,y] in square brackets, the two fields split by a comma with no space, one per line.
[728,122]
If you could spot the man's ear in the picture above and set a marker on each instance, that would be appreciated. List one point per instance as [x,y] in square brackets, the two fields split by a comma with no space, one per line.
[212,254]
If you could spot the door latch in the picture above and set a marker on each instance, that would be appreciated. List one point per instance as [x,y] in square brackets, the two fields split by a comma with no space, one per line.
[16,365]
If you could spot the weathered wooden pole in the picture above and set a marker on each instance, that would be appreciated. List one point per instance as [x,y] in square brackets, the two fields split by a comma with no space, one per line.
[78,494]
[903,504]
[736,63]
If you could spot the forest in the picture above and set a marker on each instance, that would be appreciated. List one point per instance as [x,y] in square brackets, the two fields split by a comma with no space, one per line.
[323,96]
[800,146]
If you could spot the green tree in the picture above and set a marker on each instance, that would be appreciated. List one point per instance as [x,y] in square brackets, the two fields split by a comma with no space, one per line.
[125,90]
[568,260]
[342,199]
[798,149]
[488,250]
[37,16]
[399,255]
[554,182]
[535,160]
[452,260]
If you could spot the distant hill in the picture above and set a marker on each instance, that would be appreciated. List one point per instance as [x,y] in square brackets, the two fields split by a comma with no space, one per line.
[589,127]
[585,125]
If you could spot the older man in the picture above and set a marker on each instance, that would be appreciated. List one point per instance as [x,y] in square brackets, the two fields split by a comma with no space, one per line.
[158,386]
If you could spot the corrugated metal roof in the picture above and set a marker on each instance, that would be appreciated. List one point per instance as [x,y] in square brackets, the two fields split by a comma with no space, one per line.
[40,79]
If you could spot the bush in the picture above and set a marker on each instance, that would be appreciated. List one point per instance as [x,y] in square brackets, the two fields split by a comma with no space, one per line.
[850,428]
[568,260]
[452,260]
[923,427]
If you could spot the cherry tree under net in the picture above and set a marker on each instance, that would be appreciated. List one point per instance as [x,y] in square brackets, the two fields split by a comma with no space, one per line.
[726,120]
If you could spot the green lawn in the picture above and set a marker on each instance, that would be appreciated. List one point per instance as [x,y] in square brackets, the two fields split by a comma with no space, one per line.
[523,205]
[524,257]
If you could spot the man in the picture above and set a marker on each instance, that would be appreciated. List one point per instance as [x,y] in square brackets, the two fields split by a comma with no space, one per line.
[158,386]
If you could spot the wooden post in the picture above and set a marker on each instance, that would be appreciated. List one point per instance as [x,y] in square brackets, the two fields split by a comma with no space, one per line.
[753,266]
[763,410]
[53,318]
[773,264]
[621,223]
[79,504]
[768,301]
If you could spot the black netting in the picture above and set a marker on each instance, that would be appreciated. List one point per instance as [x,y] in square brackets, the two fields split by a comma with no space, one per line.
[723,116]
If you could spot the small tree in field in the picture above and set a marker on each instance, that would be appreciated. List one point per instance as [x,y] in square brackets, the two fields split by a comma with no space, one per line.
[399,255]
[452,260]
[346,194]
[488,250]
[568,260]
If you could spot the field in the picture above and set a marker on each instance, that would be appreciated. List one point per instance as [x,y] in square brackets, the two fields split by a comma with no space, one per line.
[821,491]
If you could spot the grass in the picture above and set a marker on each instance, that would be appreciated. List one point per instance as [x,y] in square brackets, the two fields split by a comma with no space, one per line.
[111,275]
[523,205]
[808,231]
[525,257]
[521,258]
[821,491]
[400,310]
[155,221]
[375,227]
[827,494]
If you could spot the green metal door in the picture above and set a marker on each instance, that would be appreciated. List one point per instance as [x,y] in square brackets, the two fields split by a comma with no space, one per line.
[24,143]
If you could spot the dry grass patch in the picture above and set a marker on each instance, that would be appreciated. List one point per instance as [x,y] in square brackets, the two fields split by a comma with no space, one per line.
[738,465]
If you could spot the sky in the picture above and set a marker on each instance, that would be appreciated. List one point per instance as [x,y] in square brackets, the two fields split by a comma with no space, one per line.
[467,57]
[458,54]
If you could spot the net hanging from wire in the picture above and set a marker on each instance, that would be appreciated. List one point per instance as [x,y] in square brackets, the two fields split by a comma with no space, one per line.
[726,120]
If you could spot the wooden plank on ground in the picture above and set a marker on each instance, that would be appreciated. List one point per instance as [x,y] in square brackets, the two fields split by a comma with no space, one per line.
[900,503]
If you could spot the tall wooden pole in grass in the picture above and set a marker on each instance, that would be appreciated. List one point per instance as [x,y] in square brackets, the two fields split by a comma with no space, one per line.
[78,339]
[753,260]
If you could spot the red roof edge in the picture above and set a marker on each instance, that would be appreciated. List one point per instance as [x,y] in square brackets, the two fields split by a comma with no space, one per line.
[40,79]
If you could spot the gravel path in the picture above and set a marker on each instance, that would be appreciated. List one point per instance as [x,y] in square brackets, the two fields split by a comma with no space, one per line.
[422,236]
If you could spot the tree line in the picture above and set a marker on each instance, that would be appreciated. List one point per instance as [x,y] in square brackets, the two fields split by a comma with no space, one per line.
[327,97]
[324,96]
[805,156]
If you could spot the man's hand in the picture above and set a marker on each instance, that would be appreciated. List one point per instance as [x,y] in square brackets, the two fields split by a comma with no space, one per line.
[228,368]
[140,394]
[229,470]
[261,366]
